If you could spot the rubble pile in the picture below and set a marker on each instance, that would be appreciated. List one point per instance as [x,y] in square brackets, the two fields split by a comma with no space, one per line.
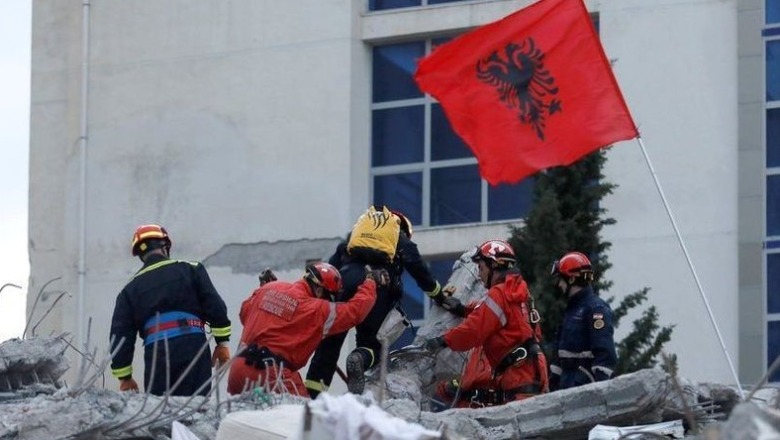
[36,405]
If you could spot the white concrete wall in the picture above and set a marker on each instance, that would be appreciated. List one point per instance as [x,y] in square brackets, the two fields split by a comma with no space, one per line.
[676,62]
[247,124]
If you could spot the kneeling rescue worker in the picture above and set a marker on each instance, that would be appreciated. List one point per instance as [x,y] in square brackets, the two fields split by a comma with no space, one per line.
[284,322]
[506,325]
[168,303]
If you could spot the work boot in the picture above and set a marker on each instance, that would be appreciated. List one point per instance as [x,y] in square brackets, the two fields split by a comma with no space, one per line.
[357,363]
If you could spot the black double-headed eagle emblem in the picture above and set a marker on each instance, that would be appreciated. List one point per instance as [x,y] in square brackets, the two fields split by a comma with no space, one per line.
[523,82]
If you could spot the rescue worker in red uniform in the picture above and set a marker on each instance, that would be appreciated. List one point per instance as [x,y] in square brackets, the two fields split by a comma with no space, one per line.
[585,350]
[168,303]
[284,322]
[505,325]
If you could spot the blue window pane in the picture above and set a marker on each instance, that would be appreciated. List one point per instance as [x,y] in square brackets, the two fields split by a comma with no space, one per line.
[773,283]
[772,11]
[773,347]
[406,338]
[412,300]
[773,70]
[773,137]
[442,269]
[402,192]
[380,5]
[773,205]
[455,195]
[397,135]
[445,144]
[394,65]
[510,201]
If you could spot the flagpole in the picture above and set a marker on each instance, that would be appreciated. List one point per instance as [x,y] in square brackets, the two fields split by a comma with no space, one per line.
[690,265]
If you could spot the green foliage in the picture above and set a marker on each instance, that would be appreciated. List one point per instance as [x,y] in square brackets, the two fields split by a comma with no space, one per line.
[567,215]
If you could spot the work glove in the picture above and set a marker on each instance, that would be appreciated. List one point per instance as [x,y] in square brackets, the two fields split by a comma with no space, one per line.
[434,344]
[380,276]
[128,384]
[221,355]
[454,306]
[266,277]
[449,290]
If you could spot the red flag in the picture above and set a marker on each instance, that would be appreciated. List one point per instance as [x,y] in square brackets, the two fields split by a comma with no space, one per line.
[530,91]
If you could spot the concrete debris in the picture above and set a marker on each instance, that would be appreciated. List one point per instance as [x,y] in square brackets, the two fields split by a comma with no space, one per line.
[568,414]
[35,405]
[32,365]
[747,421]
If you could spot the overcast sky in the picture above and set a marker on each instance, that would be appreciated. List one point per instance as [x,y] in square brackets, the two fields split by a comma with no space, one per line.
[15,20]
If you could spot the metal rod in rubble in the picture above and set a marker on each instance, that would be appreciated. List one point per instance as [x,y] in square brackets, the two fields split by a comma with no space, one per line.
[690,265]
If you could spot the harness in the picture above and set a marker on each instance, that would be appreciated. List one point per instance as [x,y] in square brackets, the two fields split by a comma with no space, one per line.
[517,355]
[262,357]
[170,325]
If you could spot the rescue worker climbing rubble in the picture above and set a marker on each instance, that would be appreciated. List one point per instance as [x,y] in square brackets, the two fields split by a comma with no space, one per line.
[394,252]
[505,324]
[284,322]
[168,303]
[585,349]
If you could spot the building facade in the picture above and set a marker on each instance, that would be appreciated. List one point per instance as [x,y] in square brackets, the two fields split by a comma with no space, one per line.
[257,131]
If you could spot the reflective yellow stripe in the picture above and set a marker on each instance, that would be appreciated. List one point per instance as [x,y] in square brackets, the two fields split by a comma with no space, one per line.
[435,290]
[315,385]
[156,266]
[371,352]
[122,372]
[220,332]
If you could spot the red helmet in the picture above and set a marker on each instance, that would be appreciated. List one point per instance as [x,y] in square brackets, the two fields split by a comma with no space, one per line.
[406,224]
[498,251]
[324,275]
[148,232]
[573,264]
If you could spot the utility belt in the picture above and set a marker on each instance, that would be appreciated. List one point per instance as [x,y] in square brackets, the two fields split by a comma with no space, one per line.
[490,397]
[170,325]
[261,357]
[529,348]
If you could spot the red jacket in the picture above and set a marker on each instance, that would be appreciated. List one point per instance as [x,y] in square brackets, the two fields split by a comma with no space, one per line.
[500,323]
[289,320]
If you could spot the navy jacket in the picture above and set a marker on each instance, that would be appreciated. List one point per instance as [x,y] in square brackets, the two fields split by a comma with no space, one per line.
[164,285]
[585,348]
[407,257]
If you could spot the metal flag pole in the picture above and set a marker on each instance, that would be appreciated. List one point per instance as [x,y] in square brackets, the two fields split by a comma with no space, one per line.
[690,265]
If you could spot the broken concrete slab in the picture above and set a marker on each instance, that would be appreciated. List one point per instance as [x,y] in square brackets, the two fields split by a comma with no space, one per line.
[32,362]
[566,414]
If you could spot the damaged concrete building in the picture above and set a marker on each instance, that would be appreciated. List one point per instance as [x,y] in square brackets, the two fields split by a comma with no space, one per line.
[257,131]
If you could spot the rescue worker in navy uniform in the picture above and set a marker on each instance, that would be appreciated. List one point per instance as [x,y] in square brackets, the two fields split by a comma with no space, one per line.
[585,349]
[366,355]
[168,303]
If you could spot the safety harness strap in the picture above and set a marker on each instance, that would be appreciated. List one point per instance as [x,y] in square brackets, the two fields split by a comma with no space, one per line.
[170,325]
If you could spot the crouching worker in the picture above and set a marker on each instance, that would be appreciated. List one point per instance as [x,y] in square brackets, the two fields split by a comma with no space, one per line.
[505,324]
[284,322]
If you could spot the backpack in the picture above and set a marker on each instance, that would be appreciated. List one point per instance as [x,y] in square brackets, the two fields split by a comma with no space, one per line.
[374,236]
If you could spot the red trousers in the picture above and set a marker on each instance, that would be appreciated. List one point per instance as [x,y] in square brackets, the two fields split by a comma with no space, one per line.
[243,377]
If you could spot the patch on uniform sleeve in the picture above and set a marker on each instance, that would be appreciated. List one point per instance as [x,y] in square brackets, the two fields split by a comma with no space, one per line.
[598,321]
